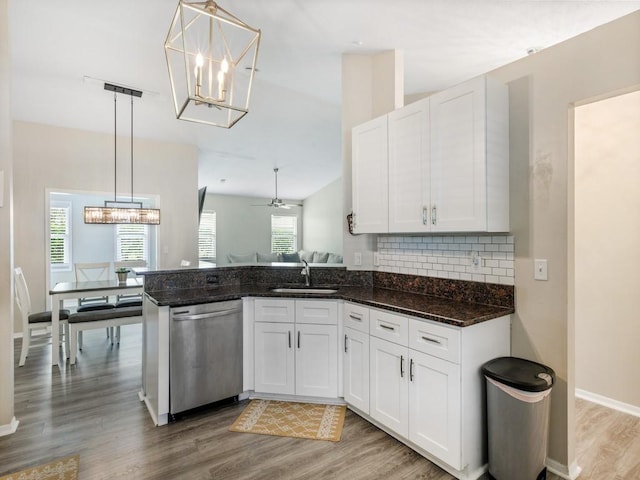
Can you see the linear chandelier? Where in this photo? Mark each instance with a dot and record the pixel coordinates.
(211, 57)
(118, 211)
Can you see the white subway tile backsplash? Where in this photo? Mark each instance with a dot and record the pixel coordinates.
(450, 256)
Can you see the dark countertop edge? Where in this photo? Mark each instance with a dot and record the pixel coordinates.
(146, 271)
(351, 294)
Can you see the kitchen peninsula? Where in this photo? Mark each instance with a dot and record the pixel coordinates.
(438, 331)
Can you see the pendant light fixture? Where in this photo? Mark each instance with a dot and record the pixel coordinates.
(211, 56)
(119, 211)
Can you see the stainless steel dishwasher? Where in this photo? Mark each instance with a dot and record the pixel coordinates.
(205, 354)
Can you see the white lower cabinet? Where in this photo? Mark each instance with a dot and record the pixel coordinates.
(425, 384)
(274, 358)
(389, 388)
(298, 353)
(356, 369)
(434, 406)
(316, 360)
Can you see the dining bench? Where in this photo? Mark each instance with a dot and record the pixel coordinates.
(88, 320)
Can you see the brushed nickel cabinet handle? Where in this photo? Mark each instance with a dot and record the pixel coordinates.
(289, 332)
(432, 340)
(345, 342)
(357, 318)
(433, 215)
(298, 339)
(424, 215)
(387, 327)
(402, 366)
(411, 370)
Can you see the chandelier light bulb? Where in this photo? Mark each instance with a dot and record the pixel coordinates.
(224, 65)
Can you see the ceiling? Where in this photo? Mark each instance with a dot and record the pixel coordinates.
(63, 51)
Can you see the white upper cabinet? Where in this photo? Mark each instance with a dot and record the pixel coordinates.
(409, 182)
(370, 195)
(470, 158)
(440, 164)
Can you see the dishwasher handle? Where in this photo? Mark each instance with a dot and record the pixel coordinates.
(201, 316)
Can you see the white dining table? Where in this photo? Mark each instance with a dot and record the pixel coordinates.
(97, 288)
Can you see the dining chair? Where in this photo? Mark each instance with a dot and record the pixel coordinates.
(127, 300)
(86, 272)
(34, 320)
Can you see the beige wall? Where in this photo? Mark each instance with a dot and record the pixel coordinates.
(543, 88)
(322, 219)
(607, 247)
(47, 157)
(7, 420)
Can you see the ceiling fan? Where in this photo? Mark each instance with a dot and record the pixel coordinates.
(276, 202)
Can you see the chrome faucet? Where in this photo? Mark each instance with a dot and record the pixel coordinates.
(306, 271)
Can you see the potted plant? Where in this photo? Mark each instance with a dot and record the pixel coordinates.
(122, 274)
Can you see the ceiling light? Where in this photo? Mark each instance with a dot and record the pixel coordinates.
(118, 211)
(211, 56)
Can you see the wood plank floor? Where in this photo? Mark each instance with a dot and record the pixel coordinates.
(92, 409)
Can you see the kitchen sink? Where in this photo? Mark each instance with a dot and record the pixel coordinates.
(307, 290)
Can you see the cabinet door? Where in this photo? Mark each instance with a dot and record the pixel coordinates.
(435, 407)
(458, 173)
(356, 369)
(409, 168)
(274, 358)
(389, 395)
(369, 177)
(316, 360)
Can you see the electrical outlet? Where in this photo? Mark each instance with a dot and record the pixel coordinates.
(357, 258)
(540, 269)
(376, 259)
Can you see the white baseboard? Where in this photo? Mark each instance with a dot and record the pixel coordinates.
(9, 428)
(608, 402)
(563, 471)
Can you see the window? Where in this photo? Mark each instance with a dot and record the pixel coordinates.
(132, 242)
(60, 235)
(284, 233)
(207, 236)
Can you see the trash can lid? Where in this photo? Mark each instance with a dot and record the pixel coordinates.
(520, 373)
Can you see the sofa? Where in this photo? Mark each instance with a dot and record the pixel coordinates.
(297, 257)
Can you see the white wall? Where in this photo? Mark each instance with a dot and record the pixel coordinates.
(607, 246)
(322, 219)
(242, 227)
(58, 158)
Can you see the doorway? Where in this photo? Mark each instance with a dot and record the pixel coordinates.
(607, 251)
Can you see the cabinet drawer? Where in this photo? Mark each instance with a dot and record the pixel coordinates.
(274, 310)
(433, 339)
(317, 311)
(389, 326)
(356, 317)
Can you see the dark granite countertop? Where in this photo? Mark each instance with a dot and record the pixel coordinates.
(452, 312)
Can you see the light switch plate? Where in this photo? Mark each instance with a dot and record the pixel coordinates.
(540, 269)
(357, 258)
(376, 259)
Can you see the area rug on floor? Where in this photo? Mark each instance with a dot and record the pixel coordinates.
(61, 469)
(292, 419)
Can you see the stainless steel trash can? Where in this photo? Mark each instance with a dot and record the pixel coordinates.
(517, 417)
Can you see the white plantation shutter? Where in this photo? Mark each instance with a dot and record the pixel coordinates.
(284, 235)
(60, 235)
(132, 242)
(207, 236)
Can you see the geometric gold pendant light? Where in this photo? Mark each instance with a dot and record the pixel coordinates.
(118, 211)
(211, 57)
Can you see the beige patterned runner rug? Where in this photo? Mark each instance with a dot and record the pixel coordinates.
(292, 419)
(60, 469)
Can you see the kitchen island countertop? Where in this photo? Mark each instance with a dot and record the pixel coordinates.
(439, 309)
